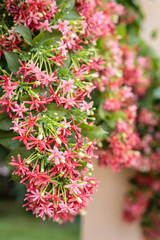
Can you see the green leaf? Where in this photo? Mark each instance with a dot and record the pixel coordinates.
(93, 132)
(12, 61)
(6, 140)
(70, 4)
(19, 150)
(38, 38)
(3, 153)
(52, 108)
(5, 123)
(58, 2)
(25, 32)
(83, 165)
(72, 16)
(47, 38)
(3, 115)
(55, 35)
(15, 178)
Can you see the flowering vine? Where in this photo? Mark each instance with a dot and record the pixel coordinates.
(46, 82)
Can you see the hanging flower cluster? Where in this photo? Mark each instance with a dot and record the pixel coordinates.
(61, 61)
(36, 15)
(46, 81)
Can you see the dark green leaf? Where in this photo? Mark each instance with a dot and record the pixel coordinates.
(47, 38)
(3, 115)
(38, 38)
(5, 123)
(3, 153)
(12, 61)
(25, 32)
(19, 150)
(15, 178)
(6, 140)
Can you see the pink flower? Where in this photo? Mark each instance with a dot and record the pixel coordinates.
(58, 58)
(74, 186)
(62, 47)
(86, 107)
(20, 168)
(62, 26)
(19, 110)
(56, 155)
(45, 209)
(45, 26)
(67, 86)
(68, 102)
(67, 208)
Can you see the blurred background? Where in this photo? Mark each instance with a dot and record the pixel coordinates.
(104, 215)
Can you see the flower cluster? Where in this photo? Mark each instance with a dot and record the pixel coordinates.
(142, 203)
(46, 85)
(34, 14)
(116, 103)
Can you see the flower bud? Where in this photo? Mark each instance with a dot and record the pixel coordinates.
(95, 75)
(40, 14)
(62, 160)
(58, 141)
(79, 200)
(89, 166)
(81, 154)
(40, 137)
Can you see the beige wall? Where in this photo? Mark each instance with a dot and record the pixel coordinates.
(151, 9)
(104, 216)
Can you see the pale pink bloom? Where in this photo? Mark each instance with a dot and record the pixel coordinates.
(62, 47)
(86, 107)
(122, 126)
(20, 168)
(45, 26)
(112, 104)
(68, 102)
(67, 86)
(33, 17)
(67, 208)
(45, 209)
(74, 186)
(20, 109)
(62, 26)
(56, 155)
